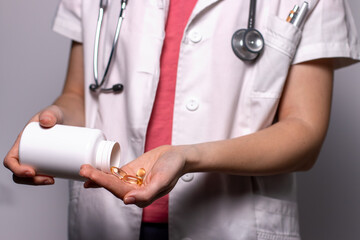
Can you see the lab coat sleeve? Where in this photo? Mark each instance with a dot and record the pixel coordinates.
(329, 32)
(67, 20)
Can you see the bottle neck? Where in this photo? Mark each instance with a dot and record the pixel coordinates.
(107, 155)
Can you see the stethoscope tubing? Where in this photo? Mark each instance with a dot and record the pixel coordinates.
(252, 12)
(97, 41)
(96, 44)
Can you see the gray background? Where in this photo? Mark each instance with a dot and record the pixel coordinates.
(32, 68)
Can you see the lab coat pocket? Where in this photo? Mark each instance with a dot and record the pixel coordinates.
(150, 42)
(146, 56)
(271, 69)
(281, 40)
(144, 28)
(149, 54)
(276, 219)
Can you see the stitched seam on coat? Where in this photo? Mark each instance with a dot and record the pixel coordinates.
(275, 236)
(276, 213)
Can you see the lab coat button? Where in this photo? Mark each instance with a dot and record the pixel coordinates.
(195, 36)
(187, 177)
(192, 105)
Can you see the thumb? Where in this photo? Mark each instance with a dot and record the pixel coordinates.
(50, 116)
(145, 195)
(141, 197)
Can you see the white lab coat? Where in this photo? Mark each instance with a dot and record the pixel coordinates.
(217, 97)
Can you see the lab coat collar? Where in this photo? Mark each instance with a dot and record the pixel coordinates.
(202, 5)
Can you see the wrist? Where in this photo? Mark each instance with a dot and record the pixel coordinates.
(192, 157)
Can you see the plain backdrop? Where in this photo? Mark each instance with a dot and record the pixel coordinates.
(33, 63)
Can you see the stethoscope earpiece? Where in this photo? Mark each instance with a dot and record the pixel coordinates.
(93, 87)
(117, 88)
(247, 44)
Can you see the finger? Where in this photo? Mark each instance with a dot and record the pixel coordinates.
(108, 181)
(143, 197)
(37, 180)
(91, 184)
(97, 177)
(131, 198)
(20, 170)
(11, 161)
(50, 116)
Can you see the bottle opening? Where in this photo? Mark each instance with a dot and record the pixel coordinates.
(108, 154)
(115, 156)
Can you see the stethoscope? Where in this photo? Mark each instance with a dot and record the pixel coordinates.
(247, 44)
(117, 88)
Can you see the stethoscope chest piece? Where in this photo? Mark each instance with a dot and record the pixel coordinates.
(247, 44)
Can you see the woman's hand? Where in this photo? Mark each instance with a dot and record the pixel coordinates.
(25, 174)
(163, 165)
(68, 109)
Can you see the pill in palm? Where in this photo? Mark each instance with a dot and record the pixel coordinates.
(141, 173)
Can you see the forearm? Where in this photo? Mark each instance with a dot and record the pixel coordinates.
(287, 146)
(71, 101)
(72, 108)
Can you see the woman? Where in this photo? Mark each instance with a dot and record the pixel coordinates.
(223, 136)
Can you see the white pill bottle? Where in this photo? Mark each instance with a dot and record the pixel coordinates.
(61, 150)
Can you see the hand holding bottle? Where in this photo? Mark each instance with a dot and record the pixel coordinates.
(25, 174)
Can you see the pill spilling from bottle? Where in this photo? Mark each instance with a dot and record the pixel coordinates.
(122, 175)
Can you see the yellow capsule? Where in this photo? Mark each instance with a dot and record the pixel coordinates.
(141, 173)
(118, 172)
(132, 179)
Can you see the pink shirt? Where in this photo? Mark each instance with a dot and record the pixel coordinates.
(160, 125)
